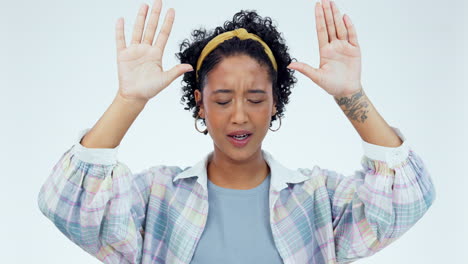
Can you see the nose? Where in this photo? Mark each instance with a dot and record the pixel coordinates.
(239, 116)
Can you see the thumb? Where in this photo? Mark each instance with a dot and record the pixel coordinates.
(307, 70)
(178, 70)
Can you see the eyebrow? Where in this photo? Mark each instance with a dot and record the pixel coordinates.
(231, 91)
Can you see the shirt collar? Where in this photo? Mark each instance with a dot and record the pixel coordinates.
(280, 175)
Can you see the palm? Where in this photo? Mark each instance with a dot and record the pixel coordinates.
(339, 72)
(140, 70)
(340, 65)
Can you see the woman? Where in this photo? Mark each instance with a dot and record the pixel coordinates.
(238, 204)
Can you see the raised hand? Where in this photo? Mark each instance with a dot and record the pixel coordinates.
(339, 73)
(140, 70)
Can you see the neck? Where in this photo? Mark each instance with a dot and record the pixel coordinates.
(237, 174)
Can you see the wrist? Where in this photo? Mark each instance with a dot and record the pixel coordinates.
(134, 103)
(356, 106)
(356, 90)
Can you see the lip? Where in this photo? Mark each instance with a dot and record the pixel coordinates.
(239, 132)
(240, 143)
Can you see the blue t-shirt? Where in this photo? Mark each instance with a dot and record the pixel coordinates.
(238, 227)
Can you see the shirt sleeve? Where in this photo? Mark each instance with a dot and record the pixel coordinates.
(97, 202)
(379, 203)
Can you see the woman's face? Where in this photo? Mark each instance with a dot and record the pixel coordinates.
(237, 96)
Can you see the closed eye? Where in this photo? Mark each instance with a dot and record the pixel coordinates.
(223, 103)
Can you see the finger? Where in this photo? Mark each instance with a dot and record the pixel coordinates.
(176, 71)
(120, 35)
(329, 20)
(148, 36)
(339, 24)
(139, 24)
(166, 30)
(307, 70)
(321, 26)
(352, 35)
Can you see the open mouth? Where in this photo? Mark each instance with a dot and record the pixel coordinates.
(240, 140)
(241, 137)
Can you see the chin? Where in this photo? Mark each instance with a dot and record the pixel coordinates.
(238, 154)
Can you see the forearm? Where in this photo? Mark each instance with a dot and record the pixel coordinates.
(366, 120)
(110, 129)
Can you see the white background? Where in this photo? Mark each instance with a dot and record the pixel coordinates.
(58, 76)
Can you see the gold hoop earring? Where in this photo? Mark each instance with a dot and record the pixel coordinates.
(278, 127)
(204, 131)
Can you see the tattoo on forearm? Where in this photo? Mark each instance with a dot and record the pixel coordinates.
(355, 106)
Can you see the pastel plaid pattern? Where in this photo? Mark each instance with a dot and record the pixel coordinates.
(158, 215)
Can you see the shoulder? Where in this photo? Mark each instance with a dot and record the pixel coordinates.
(165, 171)
(315, 177)
(158, 174)
(312, 173)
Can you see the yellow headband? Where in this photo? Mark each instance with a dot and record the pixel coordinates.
(242, 34)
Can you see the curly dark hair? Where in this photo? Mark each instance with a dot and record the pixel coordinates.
(282, 81)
